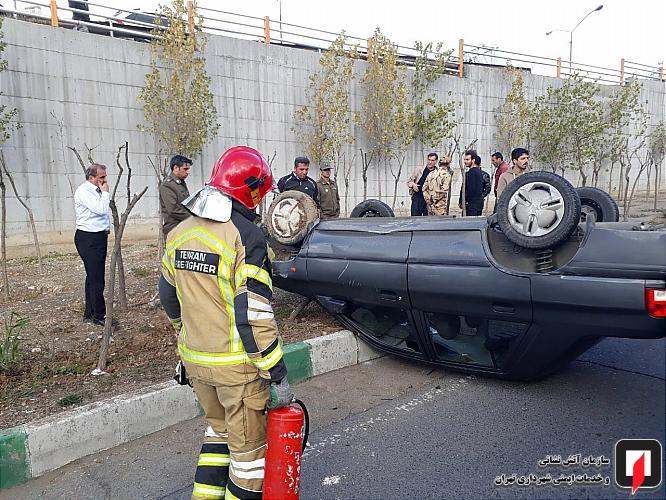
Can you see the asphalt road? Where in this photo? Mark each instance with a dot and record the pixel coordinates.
(392, 429)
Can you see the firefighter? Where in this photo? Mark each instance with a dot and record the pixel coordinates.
(436, 188)
(216, 289)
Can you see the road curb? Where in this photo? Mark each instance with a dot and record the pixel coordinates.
(31, 450)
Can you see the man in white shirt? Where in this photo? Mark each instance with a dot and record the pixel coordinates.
(91, 202)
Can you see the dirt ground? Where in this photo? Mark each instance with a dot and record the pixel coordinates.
(58, 350)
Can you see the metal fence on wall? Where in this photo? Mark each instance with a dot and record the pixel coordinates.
(102, 19)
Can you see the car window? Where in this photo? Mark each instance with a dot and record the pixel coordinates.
(469, 339)
(387, 325)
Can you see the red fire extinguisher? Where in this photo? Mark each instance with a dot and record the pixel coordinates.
(286, 437)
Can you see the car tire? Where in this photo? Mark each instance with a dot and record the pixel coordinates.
(372, 208)
(599, 203)
(538, 210)
(290, 217)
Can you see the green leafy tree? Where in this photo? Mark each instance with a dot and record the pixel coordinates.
(388, 115)
(568, 125)
(658, 153)
(512, 117)
(178, 105)
(323, 125)
(624, 113)
(7, 116)
(434, 121)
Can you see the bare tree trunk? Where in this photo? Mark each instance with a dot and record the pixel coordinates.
(396, 177)
(621, 188)
(159, 177)
(118, 236)
(299, 308)
(364, 172)
(610, 177)
(78, 157)
(346, 173)
(28, 209)
(3, 233)
(657, 176)
(648, 187)
(628, 202)
(380, 164)
(123, 303)
(625, 185)
(583, 177)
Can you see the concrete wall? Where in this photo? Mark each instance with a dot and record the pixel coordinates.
(77, 89)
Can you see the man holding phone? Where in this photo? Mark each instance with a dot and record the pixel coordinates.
(91, 203)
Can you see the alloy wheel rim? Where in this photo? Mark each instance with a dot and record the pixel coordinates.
(536, 209)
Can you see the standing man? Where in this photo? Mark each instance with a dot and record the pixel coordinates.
(415, 184)
(520, 157)
(173, 192)
(436, 188)
(473, 184)
(91, 203)
(500, 167)
(216, 289)
(298, 180)
(329, 198)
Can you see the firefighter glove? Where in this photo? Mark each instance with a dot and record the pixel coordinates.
(280, 394)
(177, 324)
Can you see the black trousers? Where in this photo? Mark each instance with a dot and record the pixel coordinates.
(92, 249)
(474, 207)
(419, 206)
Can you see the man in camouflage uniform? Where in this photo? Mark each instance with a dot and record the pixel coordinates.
(436, 188)
(329, 198)
(216, 289)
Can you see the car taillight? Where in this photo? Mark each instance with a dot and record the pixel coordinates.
(655, 302)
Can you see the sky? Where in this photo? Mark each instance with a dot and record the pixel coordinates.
(630, 29)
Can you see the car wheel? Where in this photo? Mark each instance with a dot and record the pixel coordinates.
(290, 217)
(538, 210)
(372, 208)
(599, 204)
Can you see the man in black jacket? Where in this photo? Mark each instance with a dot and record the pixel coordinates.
(473, 184)
(298, 180)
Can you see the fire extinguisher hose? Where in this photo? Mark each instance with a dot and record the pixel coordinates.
(306, 432)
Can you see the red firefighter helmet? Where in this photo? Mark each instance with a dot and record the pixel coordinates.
(242, 173)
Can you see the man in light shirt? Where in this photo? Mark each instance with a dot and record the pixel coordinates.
(521, 159)
(91, 202)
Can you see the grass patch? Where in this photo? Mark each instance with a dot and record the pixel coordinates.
(70, 400)
(73, 369)
(10, 341)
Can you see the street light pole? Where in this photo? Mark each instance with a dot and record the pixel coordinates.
(571, 35)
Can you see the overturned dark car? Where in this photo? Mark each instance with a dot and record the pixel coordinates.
(516, 295)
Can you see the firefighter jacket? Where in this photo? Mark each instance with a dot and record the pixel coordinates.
(216, 278)
(173, 192)
(329, 198)
(436, 191)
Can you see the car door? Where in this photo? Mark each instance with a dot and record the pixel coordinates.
(471, 312)
(361, 276)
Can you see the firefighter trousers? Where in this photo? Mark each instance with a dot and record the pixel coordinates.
(231, 463)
